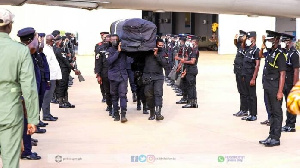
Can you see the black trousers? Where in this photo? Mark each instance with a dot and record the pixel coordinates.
(131, 80)
(290, 118)
(62, 89)
(184, 87)
(191, 85)
(106, 87)
(274, 106)
(154, 93)
(241, 87)
(118, 90)
(251, 95)
(102, 90)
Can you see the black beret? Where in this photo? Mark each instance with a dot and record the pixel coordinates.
(55, 33)
(42, 34)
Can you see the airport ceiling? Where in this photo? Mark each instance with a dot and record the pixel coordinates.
(283, 8)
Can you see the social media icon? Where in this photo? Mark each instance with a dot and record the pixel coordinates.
(142, 158)
(150, 158)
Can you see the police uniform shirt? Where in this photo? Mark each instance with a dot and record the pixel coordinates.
(275, 63)
(249, 61)
(192, 68)
(292, 63)
(238, 61)
(154, 65)
(101, 66)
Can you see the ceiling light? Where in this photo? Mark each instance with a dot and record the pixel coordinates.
(159, 11)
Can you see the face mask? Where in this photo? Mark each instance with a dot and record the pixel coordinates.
(248, 42)
(160, 49)
(283, 45)
(72, 38)
(114, 43)
(269, 44)
(169, 40)
(187, 44)
(191, 45)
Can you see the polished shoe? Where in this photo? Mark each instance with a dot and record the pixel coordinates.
(33, 143)
(169, 84)
(53, 116)
(103, 100)
(272, 142)
(49, 119)
(191, 104)
(34, 140)
(264, 141)
(134, 98)
(265, 122)
(63, 105)
(70, 105)
(40, 131)
(182, 101)
(33, 156)
(41, 124)
(252, 118)
(288, 129)
(178, 91)
(179, 94)
(123, 119)
(107, 108)
(241, 113)
(138, 107)
(145, 111)
(245, 117)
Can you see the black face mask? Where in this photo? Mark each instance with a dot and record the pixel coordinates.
(239, 44)
(160, 49)
(115, 43)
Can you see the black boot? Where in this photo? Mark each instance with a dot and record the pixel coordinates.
(145, 109)
(188, 105)
(152, 115)
(134, 99)
(194, 103)
(116, 115)
(110, 110)
(123, 117)
(182, 101)
(66, 100)
(138, 106)
(61, 103)
(158, 113)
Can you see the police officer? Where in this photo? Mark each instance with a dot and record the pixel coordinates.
(182, 54)
(292, 76)
(66, 67)
(153, 79)
(191, 72)
(101, 70)
(250, 70)
(274, 79)
(131, 78)
(241, 85)
(117, 74)
(103, 36)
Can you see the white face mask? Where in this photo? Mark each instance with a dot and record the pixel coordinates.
(191, 45)
(269, 44)
(283, 45)
(248, 42)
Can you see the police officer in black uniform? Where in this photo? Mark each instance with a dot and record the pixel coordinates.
(292, 76)
(250, 70)
(66, 67)
(153, 79)
(101, 69)
(238, 64)
(191, 72)
(103, 35)
(274, 79)
(118, 77)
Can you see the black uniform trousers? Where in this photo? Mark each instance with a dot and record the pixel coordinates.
(154, 93)
(274, 106)
(106, 87)
(191, 85)
(241, 87)
(62, 89)
(184, 87)
(118, 90)
(290, 118)
(131, 80)
(102, 89)
(251, 94)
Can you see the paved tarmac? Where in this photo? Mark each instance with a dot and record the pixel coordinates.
(208, 137)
